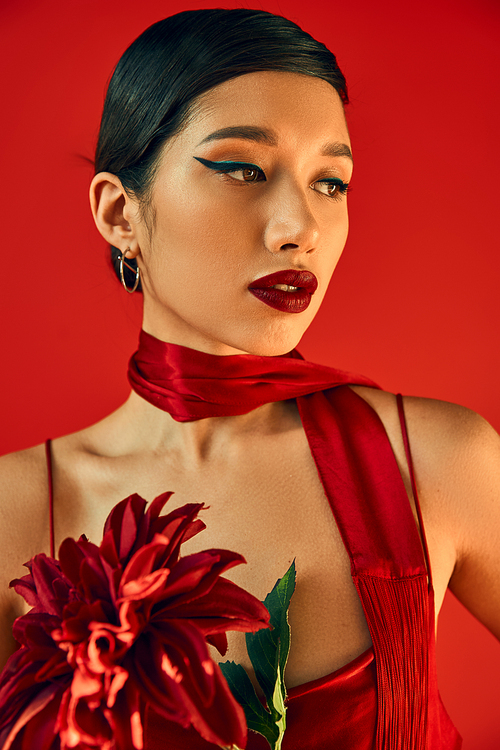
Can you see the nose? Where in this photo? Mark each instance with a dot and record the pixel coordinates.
(291, 225)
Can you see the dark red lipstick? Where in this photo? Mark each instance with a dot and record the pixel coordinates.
(296, 299)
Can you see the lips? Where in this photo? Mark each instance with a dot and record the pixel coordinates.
(295, 300)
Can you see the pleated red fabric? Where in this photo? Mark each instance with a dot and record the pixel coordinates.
(386, 699)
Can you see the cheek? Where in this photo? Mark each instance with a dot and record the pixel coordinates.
(335, 236)
(199, 217)
(200, 246)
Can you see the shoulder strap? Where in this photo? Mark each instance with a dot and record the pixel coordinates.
(50, 480)
(406, 441)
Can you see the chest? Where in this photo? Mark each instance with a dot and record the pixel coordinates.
(273, 510)
(265, 501)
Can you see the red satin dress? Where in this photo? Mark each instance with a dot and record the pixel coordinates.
(386, 698)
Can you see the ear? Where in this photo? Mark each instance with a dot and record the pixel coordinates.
(114, 213)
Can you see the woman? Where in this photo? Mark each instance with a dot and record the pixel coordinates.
(222, 171)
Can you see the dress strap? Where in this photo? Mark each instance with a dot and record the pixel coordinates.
(406, 441)
(48, 456)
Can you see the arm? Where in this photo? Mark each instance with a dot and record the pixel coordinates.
(471, 489)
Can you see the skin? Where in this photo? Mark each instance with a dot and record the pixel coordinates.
(205, 238)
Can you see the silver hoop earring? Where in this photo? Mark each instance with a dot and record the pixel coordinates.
(123, 262)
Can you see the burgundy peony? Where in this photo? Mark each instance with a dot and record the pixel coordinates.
(121, 627)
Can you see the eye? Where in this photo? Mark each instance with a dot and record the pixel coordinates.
(241, 171)
(248, 174)
(333, 188)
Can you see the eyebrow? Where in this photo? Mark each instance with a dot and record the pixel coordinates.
(337, 149)
(247, 132)
(268, 137)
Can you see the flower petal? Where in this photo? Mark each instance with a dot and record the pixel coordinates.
(148, 586)
(45, 588)
(145, 560)
(224, 723)
(186, 652)
(71, 555)
(226, 606)
(194, 576)
(38, 703)
(123, 523)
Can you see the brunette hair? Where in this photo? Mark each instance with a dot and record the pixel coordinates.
(160, 76)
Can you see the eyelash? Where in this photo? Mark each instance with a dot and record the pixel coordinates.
(226, 167)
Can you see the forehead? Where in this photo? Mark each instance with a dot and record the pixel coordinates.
(293, 107)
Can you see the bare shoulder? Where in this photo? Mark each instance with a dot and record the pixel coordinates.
(23, 499)
(24, 528)
(27, 465)
(435, 424)
(456, 455)
(455, 451)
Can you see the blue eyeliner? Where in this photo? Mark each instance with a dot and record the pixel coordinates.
(227, 166)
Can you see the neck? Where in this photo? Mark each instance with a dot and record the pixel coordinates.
(225, 397)
(146, 428)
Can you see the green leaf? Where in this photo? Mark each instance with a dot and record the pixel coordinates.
(269, 649)
(279, 704)
(256, 715)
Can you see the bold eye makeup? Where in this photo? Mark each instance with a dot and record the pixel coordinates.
(334, 187)
(250, 172)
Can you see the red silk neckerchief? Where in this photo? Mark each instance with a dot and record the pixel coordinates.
(190, 385)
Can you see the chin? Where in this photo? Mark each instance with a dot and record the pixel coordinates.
(272, 343)
(272, 349)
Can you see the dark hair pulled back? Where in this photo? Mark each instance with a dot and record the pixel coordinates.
(163, 72)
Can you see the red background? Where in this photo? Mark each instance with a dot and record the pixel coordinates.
(414, 302)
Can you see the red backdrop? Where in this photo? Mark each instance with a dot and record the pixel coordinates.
(414, 302)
